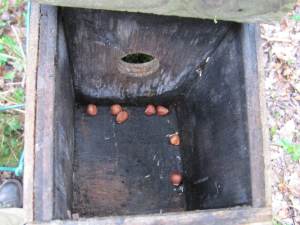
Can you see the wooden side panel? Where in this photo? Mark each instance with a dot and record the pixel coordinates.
(236, 216)
(263, 118)
(29, 135)
(49, 120)
(234, 10)
(63, 130)
(254, 98)
(44, 139)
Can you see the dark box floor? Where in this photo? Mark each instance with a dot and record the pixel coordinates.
(124, 168)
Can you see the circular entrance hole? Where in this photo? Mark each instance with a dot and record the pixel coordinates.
(137, 58)
(138, 64)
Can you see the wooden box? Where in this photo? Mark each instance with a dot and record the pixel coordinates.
(208, 74)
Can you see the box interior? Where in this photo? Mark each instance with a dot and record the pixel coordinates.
(103, 168)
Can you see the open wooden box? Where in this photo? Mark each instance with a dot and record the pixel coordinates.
(207, 73)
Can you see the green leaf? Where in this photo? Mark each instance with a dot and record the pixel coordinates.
(5, 151)
(1, 47)
(2, 24)
(8, 41)
(19, 95)
(296, 17)
(4, 6)
(10, 75)
(11, 44)
(273, 131)
(291, 148)
(296, 156)
(3, 59)
(14, 124)
(14, 143)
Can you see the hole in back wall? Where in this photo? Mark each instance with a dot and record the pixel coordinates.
(137, 58)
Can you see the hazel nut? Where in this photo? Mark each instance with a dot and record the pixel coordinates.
(176, 178)
(175, 139)
(91, 110)
(162, 111)
(115, 109)
(150, 110)
(122, 117)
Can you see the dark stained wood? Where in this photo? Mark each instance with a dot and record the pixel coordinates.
(63, 130)
(241, 11)
(49, 145)
(97, 41)
(123, 169)
(235, 216)
(218, 166)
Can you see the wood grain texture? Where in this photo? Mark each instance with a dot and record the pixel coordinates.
(263, 119)
(254, 107)
(29, 136)
(44, 130)
(43, 200)
(124, 169)
(220, 144)
(63, 129)
(235, 216)
(233, 10)
(97, 40)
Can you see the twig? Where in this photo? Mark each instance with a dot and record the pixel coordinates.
(19, 110)
(8, 56)
(18, 41)
(13, 83)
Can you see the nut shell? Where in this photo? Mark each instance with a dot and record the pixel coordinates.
(175, 139)
(150, 110)
(162, 111)
(176, 178)
(91, 110)
(115, 109)
(122, 117)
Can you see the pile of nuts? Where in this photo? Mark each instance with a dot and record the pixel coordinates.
(115, 110)
(122, 115)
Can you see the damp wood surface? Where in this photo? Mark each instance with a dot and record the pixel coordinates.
(233, 10)
(123, 169)
(98, 40)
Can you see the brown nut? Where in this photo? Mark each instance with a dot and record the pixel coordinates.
(162, 111)
(150, 110)
(175, 139)
(122, 117)
(91, 110)
(115, 109)
(176, 178)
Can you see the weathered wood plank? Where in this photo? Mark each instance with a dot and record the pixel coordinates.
(44, 137)
(98, 40)
(235, 216)
(234, 10)
(63, 130)
(263, 118)
(253, 78)
(29, 136)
